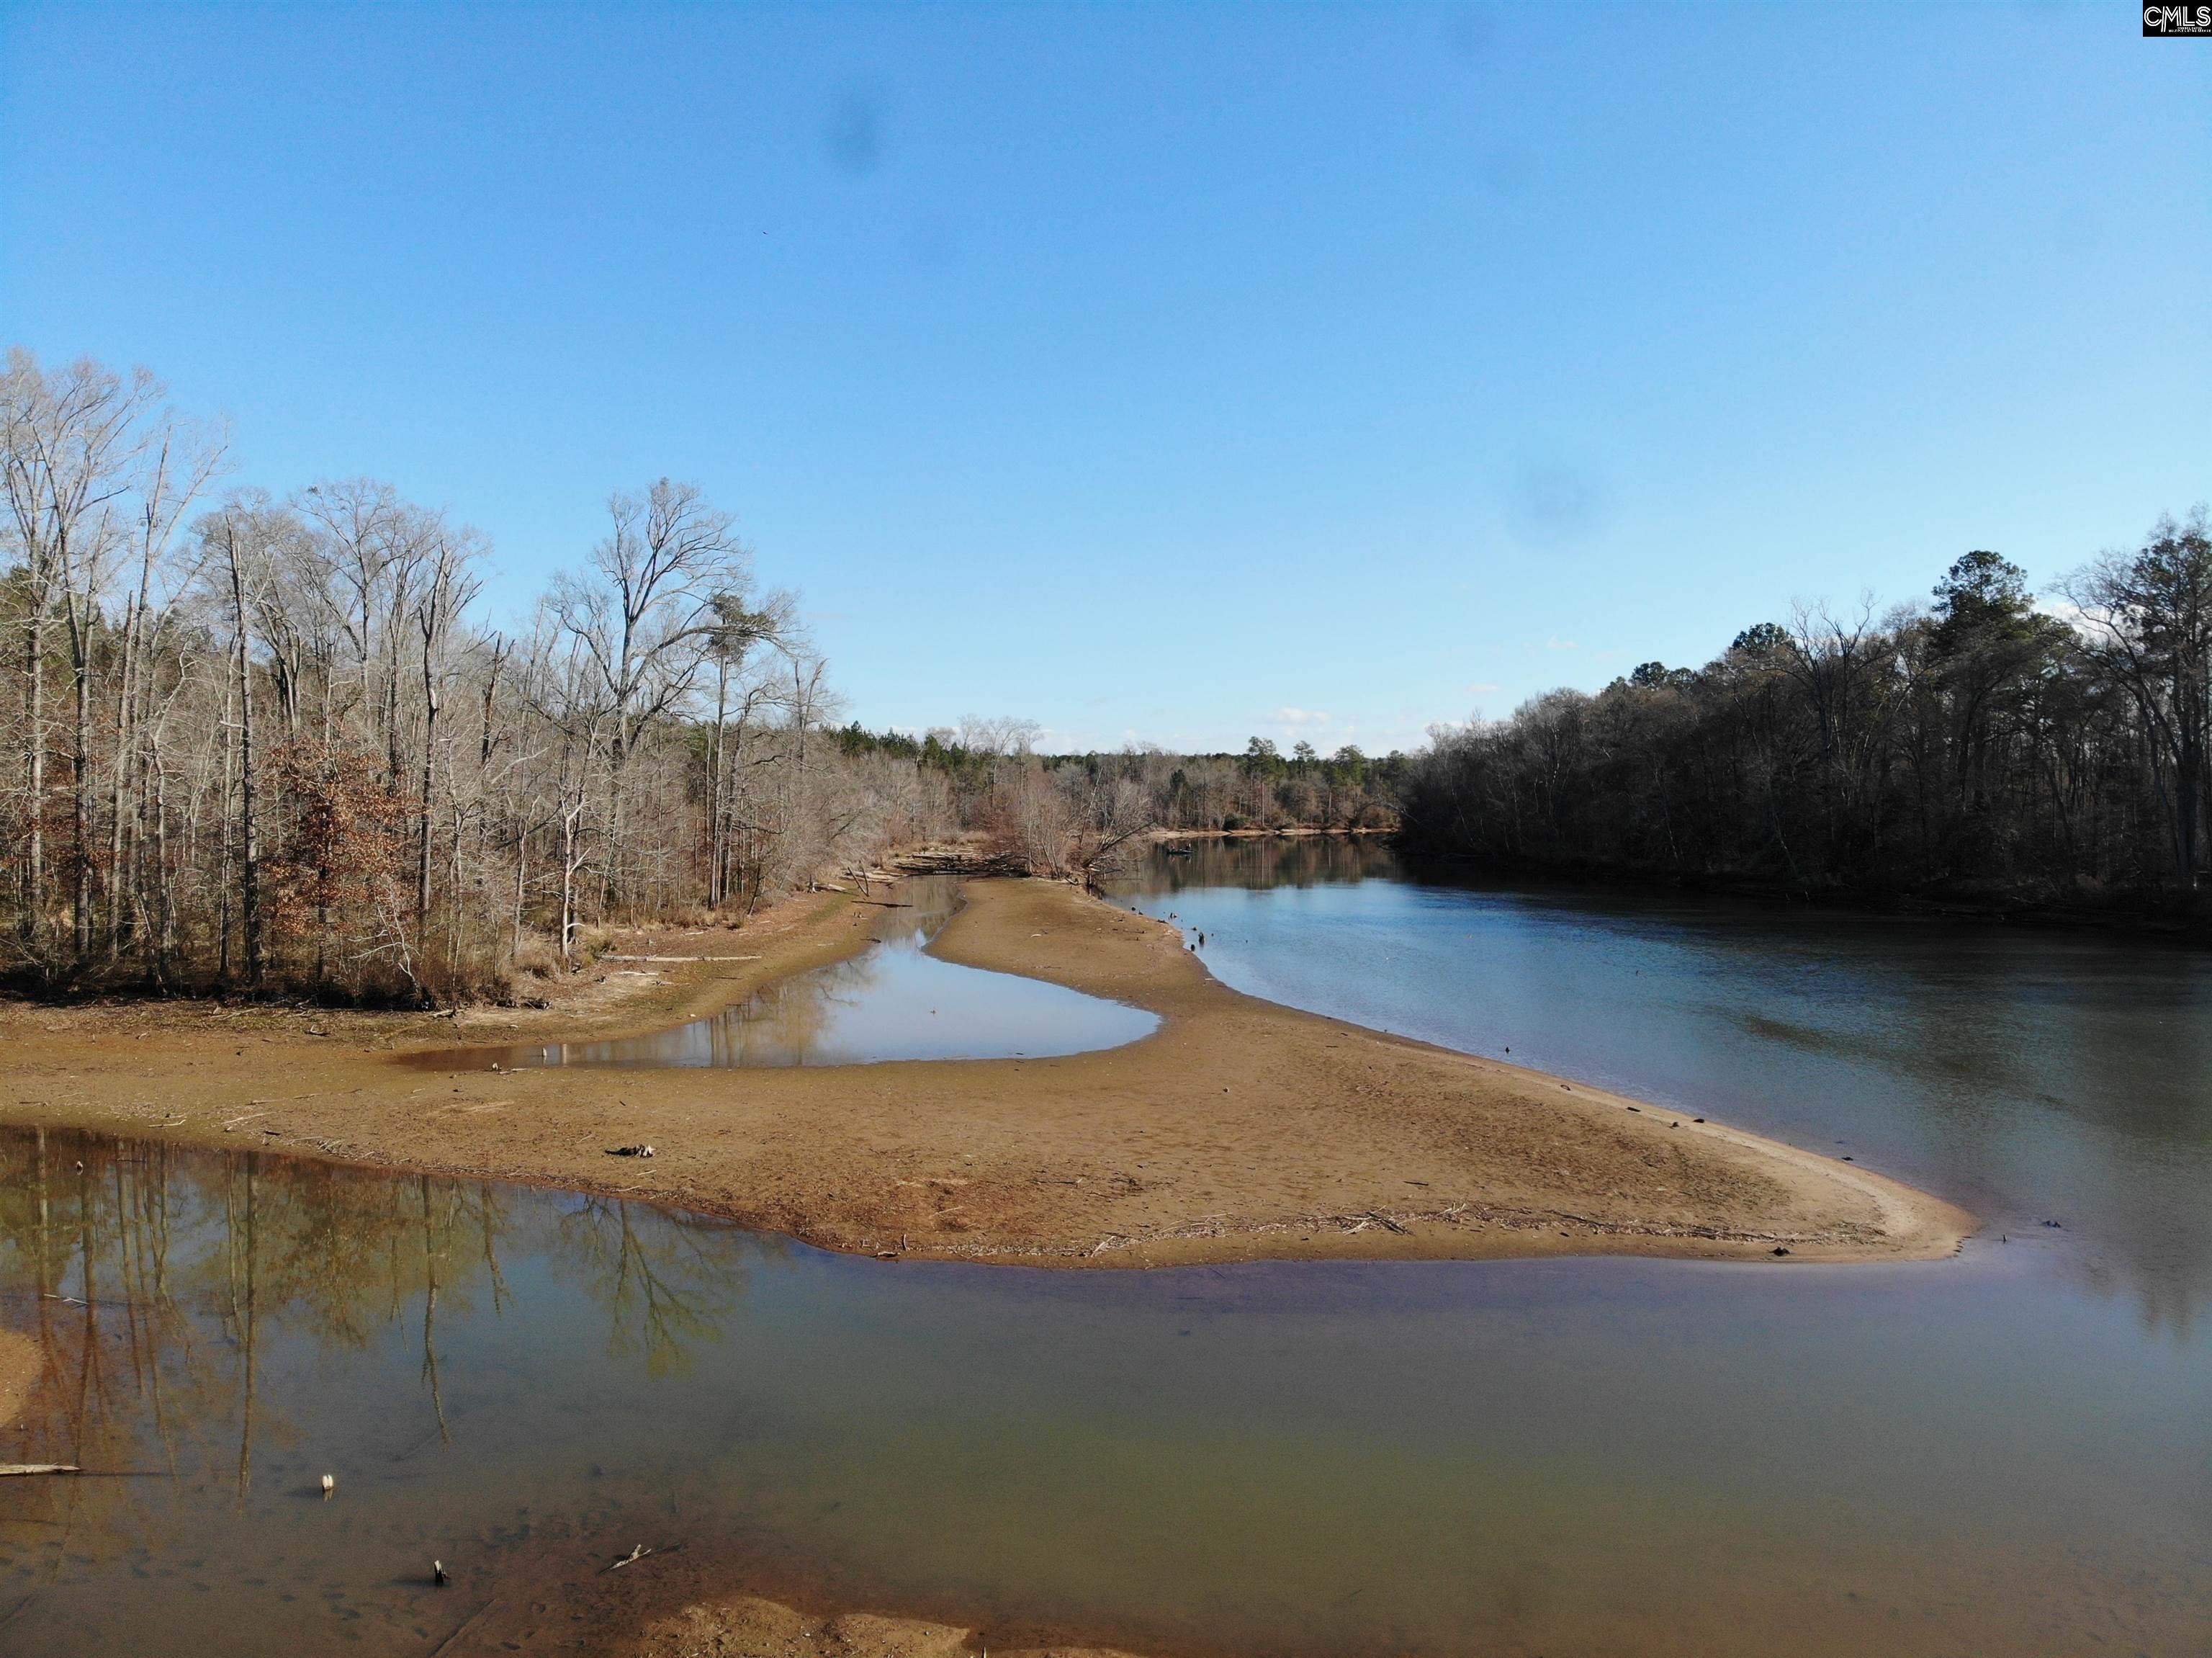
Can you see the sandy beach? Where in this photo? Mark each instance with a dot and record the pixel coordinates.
(1240, 1130)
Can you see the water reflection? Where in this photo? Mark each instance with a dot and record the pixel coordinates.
(1258, 863)
(893, 1001)
(1541, 1456)
(2029, 1075)
(666, 1284)
(154, 1277)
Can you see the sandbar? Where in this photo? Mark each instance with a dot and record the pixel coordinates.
(1240, 1130)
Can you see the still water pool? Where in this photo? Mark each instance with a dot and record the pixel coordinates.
(2009, 1453)
(893, 1001)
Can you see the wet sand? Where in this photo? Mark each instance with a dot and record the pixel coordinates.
(561, 1600)
(1240, 1130)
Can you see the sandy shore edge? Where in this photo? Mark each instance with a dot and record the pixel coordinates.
(1240, 1130)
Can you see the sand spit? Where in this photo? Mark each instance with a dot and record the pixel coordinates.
(1240, 1130)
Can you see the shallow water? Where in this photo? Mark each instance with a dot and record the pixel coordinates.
(893, 1001)
(2029, 1075)
(2010, 1453)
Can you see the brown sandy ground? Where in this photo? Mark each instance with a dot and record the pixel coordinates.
(562, 1601)
(1241, 1129)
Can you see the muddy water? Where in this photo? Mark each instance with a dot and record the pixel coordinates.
(2010, 1453)
(893, 1001)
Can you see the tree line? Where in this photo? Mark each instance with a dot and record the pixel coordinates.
(1976, 746)
(275, 743)
(1058, 813)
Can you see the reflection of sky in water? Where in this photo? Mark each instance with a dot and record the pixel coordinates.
(893, 1001)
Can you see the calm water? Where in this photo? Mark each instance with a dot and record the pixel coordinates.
(2011, 1452)
(893, 1001)
(2029, 1075)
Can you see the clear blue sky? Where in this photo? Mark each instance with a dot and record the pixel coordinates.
(1169, 372)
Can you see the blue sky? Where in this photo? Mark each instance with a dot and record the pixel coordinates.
(1163, 372)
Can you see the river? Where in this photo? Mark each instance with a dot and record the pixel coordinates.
(2009, 1452)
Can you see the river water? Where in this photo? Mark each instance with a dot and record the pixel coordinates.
(2008, 1452)
(2029, 1075)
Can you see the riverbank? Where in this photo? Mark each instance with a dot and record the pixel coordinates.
(1243, 1129)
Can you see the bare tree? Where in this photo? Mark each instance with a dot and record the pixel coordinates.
(69, 447)
(243, 538)
(449, 586)
(270, 784)
(182, 461)
(2147, 619)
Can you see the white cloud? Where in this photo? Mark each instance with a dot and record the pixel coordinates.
(1555, 642)
(1298, 716)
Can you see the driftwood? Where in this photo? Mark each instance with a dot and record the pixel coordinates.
(8, 1468)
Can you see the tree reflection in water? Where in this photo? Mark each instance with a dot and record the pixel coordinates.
(668, 1281)
(1947, 1457)
(153, 1281)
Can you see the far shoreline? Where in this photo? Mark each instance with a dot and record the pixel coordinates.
(2035, 915)
(2000, 909)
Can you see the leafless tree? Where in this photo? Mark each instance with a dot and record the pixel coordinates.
(69, 447)
(272, 779)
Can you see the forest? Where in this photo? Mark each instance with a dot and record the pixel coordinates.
(276, 745)
(1149, 787)
(1978, 748)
